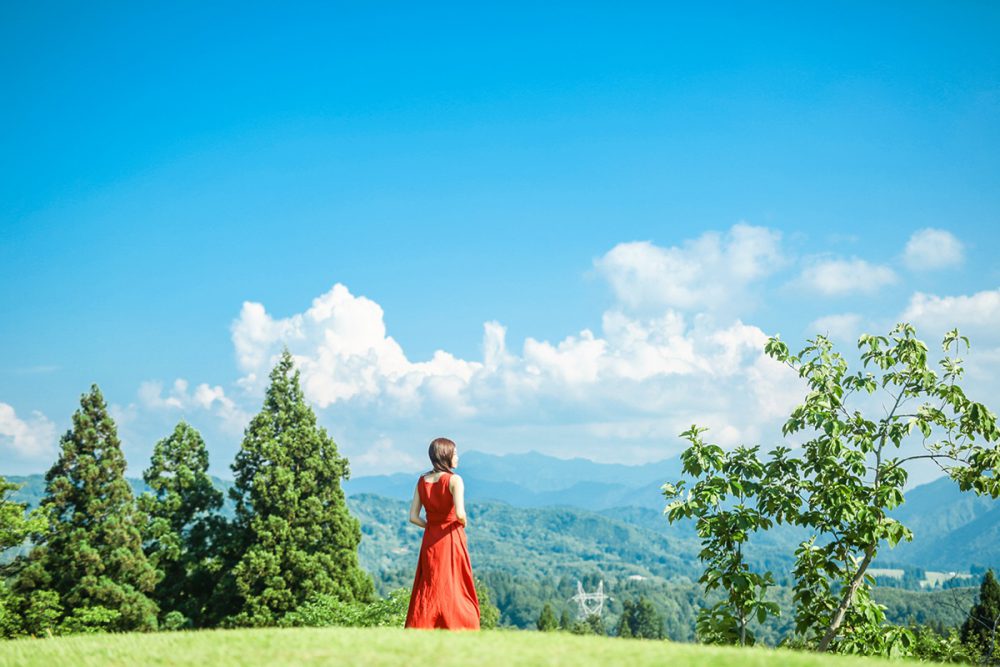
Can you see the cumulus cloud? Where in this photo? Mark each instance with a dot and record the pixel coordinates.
(668, 353)
(343, 352)
(667, 370)
(702, 274)
(211, 399)
(840, 277)
(975, 314)
(931, 249)
(32, 438)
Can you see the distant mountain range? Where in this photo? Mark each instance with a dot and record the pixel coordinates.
(953, 530)
(537, 480)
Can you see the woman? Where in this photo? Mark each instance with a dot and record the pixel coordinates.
(444, 595)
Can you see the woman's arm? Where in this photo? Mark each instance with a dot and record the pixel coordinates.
(457, 487)
(415, 507)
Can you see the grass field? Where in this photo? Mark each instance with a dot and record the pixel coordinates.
(385, 646)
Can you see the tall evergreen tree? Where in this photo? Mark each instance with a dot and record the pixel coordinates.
(981, 629)
(87, 568)
(547, 621)
(182, 526)
(293, 532)
(625, 621)
(565, 623)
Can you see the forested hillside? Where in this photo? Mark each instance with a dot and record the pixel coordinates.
(532, 556)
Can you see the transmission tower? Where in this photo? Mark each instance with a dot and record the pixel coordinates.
(591, 604)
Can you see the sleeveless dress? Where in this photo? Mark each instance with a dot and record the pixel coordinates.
(444, 594)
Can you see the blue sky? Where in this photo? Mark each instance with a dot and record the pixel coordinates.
(458, 166)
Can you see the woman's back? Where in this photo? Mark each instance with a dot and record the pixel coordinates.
(444, 592)
(437, 499)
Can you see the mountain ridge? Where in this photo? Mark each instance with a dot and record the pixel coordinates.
(953, 530)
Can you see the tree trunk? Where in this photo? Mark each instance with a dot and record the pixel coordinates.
(845, 601)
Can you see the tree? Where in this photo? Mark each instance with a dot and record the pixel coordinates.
(87, 570)
(592, 625)
(849, 475)
(724, 528)
(547, 621)
(489, 613)
(182, 525)
(14, 530)
(640, 619)
(980, 628)
(293, 536)
(564, 621)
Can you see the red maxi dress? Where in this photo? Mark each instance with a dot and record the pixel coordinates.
(444, 594)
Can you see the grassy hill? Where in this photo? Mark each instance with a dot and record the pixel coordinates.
(390, 647)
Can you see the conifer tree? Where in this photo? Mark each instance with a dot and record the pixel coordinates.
(625, 622)
(547, 619)
(87, 569)
(980, 629)
(564, 621)
(182, 526)
(640, 620)
(293, 533)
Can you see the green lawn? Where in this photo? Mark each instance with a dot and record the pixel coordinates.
(390, 647)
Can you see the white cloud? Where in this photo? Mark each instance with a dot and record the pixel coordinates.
(206, 398)
(665, 370)
(711, 271)
(844, 327)
(975, 314)
(840, 277)
(933, 249)
(32, 438)
(668, 354)
(342, 350)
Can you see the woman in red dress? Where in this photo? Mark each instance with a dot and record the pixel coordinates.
(444, 594)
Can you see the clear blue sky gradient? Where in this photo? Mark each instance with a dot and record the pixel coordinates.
(455, 163)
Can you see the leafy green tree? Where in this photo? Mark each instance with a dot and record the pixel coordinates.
(720, 503)
(293, 536)
(489, 613)
(980, 628)
(640, 620)
(182, 524)
(564, 621)
(15, 527)
(946, 646)
(849, 475)
(87, 569)
(547, 621)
